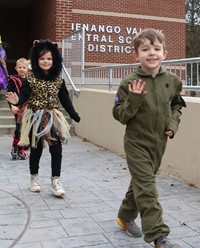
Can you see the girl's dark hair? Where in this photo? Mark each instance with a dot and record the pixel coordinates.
(39, 48)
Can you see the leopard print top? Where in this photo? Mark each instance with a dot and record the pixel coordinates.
(44, 94)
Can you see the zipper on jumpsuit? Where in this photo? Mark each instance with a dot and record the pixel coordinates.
(156, 123)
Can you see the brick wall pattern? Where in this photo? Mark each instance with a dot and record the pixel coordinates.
(52, 19)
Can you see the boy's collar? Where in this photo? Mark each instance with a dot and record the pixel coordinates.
(141, 72)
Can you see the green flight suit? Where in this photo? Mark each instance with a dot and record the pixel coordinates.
(147, 117)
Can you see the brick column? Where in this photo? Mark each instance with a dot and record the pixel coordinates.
(63, 18)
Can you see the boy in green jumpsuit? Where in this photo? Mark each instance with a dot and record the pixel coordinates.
(148, 102)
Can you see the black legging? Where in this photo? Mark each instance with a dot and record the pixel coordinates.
(56, 158)
(17, 128)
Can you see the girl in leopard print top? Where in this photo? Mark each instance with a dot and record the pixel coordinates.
(42, 120)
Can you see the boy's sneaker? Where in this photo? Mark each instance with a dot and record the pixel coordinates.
(22, 155)
(163, 242)
(131, 228)
(56, 187)
(34, 184)
(14, 152)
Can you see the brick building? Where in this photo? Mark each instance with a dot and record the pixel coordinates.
(109, 25)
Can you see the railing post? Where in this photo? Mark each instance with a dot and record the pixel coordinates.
(83, 58)
(192, 83)
(110, 78)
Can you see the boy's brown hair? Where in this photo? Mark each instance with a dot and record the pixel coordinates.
(150, 34)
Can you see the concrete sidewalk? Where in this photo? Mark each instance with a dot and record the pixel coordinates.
(95, 181)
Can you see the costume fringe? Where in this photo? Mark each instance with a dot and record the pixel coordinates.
(43, 124)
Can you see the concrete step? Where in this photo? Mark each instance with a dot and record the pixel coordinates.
(72, 129)
(2, 95)
(7, 130)
(4, 104)
(7, 120)
(5, 111)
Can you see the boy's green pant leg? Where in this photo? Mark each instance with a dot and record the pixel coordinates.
(142, 197)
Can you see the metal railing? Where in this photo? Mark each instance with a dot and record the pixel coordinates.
(109, 77)
(66, 76)
(73, 52)
(188, 70)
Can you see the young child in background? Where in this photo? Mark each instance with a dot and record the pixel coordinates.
(15, 83)
(149, 103)
(42, 119)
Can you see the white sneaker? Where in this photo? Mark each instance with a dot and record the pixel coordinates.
(34, 184)
(56, 187)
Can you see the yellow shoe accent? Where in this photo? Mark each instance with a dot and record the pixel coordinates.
(131, 228)
(121, 223)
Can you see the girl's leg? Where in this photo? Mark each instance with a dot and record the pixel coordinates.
(34, 160)
(35, 155)
(56, 159)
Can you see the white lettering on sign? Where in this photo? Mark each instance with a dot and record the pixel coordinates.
(96, 28)
(106, 34)
(109, 48)
(132, 30)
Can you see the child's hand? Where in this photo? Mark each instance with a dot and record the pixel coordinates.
(138, 87)
(12, 97)
(169, 133)
(14, 109)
